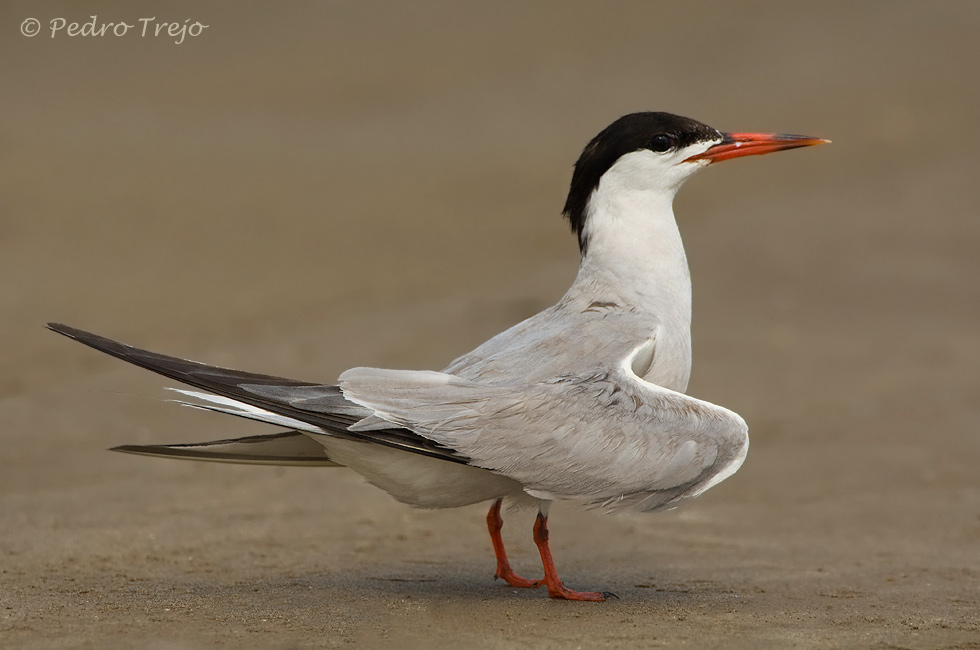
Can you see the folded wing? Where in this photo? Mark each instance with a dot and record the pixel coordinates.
(608, 439)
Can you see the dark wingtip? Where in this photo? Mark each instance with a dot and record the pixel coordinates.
(155, 450)
(126, 449)
(60, 329)
(100, 343)
(72, 332)
(263, 455)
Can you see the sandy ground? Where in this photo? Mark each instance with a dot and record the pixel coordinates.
(305, 188)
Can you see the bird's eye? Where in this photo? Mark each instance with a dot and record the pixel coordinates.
(661, 143)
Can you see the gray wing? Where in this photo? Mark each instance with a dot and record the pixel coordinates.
(566, 338)
(608, 438)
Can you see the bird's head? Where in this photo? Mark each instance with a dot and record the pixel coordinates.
(657, 152)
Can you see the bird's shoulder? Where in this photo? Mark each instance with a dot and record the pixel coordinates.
(562, 339)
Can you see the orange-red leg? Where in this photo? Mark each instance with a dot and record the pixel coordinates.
(494, 523)
(555, 587)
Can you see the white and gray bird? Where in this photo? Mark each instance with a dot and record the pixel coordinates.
(583, 402)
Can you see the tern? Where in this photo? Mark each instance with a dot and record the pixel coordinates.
(583, 402)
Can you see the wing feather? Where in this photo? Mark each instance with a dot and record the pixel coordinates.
(606, 438)
(316, 405)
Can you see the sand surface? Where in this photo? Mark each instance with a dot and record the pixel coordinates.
(304, 188)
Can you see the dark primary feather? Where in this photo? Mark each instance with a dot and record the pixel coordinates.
(320, 405)
(291, 448)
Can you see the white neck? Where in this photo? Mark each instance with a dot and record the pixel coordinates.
(634, 257)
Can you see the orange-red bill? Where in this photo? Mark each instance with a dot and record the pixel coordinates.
(735, 145)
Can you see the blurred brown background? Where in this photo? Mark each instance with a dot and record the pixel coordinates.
(305, 187)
